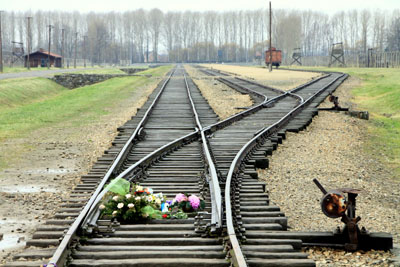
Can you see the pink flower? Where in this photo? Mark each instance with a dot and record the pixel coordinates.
(194, 201)
(180, 197)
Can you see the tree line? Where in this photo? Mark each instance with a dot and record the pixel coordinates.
(232, 36)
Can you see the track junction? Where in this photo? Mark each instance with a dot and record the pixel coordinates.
(177, 144)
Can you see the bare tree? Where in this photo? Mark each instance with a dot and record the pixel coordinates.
(156, 18)
(365, 17)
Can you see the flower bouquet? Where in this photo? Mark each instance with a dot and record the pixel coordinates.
(188, 203)
(131, 203)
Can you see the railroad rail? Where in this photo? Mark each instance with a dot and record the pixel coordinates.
(175, 144)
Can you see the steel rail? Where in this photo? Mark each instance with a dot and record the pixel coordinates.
(219, 125)
(143, 163)
(237, 254)
(215, 190)
(122, 154)
(272, 88)
(58, 257)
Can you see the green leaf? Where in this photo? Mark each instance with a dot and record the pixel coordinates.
(202, 204)
(119, 186)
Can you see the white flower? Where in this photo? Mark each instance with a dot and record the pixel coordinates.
(120, 205)
(149, 199)
(158, 201)
(139, 188)
(115, 198)
(137, 198)
(114, 213)
(131, 205)
(102, 207)
(128, 196)
(165, 207)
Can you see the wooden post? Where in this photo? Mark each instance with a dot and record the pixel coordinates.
(270, 37)
(62, 47)
(76, 39)
(1, 46)
(48, 53)
(84, 51)
(28, 63)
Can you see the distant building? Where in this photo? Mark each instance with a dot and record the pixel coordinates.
(39, 58)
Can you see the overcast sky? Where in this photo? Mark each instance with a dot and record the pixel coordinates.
(327, 6)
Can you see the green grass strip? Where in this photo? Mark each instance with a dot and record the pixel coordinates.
(61, 106)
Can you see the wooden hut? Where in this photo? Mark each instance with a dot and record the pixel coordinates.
(40, 57)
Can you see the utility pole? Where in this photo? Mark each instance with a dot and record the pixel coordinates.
(62, 47)
(76, 40)
(28, 63)
(84, 51)
(1, 46)
(48, 55)
(270, 37)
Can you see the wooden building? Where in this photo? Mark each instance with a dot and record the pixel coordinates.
(40, 57)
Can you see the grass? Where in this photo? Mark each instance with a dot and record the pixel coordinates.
(12, 70)
(379, 93)
(89, 70)
(100, 71)
(47, 104)
(23, 91)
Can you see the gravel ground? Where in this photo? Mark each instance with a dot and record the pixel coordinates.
(46, 165)
(224, 100)
(281, 79)
(331, 149)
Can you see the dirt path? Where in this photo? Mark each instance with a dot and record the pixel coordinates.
(37, 73)
(47, 164)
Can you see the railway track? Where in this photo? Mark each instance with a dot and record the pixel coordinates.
(175, 144)
(250, 216)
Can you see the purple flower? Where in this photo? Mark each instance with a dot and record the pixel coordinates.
(194, 201)
(180, 197)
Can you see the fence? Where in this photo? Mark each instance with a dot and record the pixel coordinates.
(371, 59)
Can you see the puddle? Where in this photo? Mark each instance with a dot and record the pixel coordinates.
(10, 241)
(26, 189)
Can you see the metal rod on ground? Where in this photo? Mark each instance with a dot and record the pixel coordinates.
(76, 39)
(1, 46)
(28, 62)
(62, 47)
(48, 53)
(270, 37)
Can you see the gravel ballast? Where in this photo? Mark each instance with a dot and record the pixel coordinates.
(332, 149)
(281, 79)
(224, 100)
